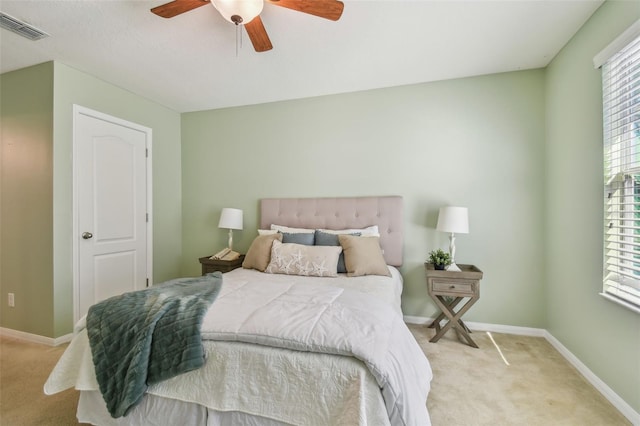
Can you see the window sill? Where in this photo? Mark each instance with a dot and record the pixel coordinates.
(621, 302)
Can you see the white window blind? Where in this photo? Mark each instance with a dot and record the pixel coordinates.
(621, 114)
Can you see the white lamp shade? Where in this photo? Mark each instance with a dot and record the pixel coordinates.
(453, 219)
(230, 219)
(246, 9)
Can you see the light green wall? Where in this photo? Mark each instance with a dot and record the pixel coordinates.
(75, 87)
(26, 194)
(475, 142)
(522, 150)
(603, 335)
(37, 135)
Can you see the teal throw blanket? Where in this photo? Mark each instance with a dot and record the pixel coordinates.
(143, 337)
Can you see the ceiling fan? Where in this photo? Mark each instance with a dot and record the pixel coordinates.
(247, 13)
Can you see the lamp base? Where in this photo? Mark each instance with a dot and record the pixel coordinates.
(230, 242)
(454, 268)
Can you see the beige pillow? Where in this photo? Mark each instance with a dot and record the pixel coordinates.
(259, 253)
(363, 256)
(299, 259)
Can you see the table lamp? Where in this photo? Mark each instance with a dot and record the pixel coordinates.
(456, 221)
(230, 219)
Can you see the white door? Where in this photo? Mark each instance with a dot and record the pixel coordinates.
(112, 205)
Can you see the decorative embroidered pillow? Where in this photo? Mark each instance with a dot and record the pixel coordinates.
(298, 259)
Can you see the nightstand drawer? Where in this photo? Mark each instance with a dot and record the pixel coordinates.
(453, 287)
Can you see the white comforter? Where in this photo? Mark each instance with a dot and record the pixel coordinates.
(288, 376)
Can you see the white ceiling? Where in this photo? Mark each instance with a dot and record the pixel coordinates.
(189, 62)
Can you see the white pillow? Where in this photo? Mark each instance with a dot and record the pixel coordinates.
(267, 231)
(298, 259)
(289, 230)
(370, 231)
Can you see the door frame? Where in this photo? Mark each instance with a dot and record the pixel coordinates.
(79, 110)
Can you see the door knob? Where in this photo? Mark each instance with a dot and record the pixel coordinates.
(87, 235)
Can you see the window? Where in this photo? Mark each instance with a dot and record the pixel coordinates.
(621, 115)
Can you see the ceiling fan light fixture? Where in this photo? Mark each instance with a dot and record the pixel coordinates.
(246, 10)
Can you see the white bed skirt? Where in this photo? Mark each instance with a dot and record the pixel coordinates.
(159, 411)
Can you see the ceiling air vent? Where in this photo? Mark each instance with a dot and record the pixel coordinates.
(10, 23)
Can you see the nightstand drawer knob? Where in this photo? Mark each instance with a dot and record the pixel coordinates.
(87, 235)
(452, 287)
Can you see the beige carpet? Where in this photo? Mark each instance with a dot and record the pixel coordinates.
(24, 367)
(537, 386)
(470, 386)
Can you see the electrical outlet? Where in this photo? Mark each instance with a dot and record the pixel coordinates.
(11, 300)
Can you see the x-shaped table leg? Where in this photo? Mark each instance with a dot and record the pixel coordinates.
(451, 304)
(454, 318)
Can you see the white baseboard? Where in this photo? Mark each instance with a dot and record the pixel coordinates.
(620, 404)
(35, 338)
(480, 326)
(632, 415)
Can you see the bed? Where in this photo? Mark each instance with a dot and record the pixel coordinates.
(325, 350)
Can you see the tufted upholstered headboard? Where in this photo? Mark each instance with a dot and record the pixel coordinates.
(341, 213)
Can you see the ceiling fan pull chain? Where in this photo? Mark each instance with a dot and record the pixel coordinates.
(237, 31)
(237, 19)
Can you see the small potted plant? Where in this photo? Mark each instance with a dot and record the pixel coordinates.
(440, 259)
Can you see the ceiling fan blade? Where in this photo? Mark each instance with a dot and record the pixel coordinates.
(328, 9)
(258, 35)
(176, 7)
